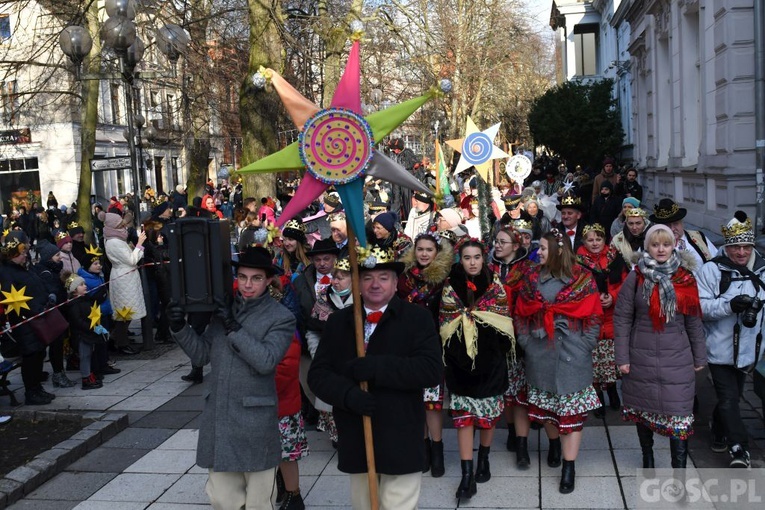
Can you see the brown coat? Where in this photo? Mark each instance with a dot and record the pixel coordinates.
(661, 378)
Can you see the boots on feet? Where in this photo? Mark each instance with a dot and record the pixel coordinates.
(482, 471)
(195, 376)
(568, 477)
(614, 401)
(522, 460)
(281, 491)
(60, 380)
(645, 436)
(437, 459)
(36, 398)
(467, 487)
(292, 501)
(426, 462)
(554, 454)
(511, 437)
(600, 412)
(678, 449)
(91, 383)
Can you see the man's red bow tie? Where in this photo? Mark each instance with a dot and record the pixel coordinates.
(570, 233)
(374, 317)
(325, 280)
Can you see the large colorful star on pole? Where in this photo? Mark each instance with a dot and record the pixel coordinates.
(477, 149)
(337, 145)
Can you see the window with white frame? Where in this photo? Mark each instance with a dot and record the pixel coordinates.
(586, 49)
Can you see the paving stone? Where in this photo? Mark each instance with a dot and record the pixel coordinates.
(329, 491)
(167, 419)
(91, 438)
(61, 458)
(590, 492)
(189, 489)
(178, 506)
(184, 403)
(135, 487)
(164, 461)
(26, 476)
(196, 423)
(109, 505)
(142, 402)
(184, 439)
(139, 438)
(38, 504)
(71, 486)
(44, 466)
(499, 492)
(588, 463)
(108, 460)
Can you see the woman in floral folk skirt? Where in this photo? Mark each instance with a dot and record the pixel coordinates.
(660, 342)
(477, 335)
(558, 316)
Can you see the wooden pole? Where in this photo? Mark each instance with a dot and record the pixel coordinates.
(361, 352)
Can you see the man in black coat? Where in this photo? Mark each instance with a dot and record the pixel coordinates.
(403, 356)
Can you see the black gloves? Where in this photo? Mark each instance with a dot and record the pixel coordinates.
(740, 303)
(226, 315)
(361, 369)
(360, 402)
(176, 315)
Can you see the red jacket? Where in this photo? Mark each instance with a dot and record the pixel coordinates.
(288, 380)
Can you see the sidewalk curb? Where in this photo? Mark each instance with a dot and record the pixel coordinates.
(101, 426)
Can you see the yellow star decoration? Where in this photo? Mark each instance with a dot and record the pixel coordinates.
(93, 250)
(124, 313)
(6, 232)
(95, 316)
(477, 149)
(16, 299)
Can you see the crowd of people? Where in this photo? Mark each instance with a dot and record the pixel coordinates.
(575, 300)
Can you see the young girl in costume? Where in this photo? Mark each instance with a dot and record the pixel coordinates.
(557, 316)
(421, 283)
(477, 336)
(84, 317)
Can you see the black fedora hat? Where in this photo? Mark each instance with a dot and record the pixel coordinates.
(667, 211)
(256, 257)
(571, 202)
(323, 246)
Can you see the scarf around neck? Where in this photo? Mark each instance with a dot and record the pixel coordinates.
(490, 310)
(115, 233)
(676, 289)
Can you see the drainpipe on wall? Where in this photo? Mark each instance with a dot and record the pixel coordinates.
(759, 111)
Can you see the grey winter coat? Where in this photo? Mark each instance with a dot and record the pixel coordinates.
(564, 366)
(661, 378)
(239, 430)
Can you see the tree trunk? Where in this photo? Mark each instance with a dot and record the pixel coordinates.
(258, 109)
(196, 110)
(88, 124)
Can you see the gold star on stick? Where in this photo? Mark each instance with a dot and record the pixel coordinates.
(16, 299)
(93, 250)
(124, 313)
(95, 316)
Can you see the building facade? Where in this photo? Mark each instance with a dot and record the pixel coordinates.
(684, 75)
(40, 127)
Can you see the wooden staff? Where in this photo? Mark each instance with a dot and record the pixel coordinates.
(361, 352)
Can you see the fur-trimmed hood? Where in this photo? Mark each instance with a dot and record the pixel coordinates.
(438, 270)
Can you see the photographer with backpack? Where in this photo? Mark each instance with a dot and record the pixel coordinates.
(731, 291)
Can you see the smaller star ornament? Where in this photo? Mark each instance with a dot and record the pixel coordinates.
(124, 314)
(16, 299)
(95, 316)
(93, 250)
(477, 149)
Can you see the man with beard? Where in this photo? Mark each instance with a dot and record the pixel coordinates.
(607, 174)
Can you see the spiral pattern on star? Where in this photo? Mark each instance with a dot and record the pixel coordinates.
(336, 145)
(477, 148)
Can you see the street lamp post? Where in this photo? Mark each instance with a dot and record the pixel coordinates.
(119, 34)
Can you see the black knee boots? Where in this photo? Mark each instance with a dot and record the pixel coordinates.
(600, 412)
(426, 463)
(613, 398)
(437, 459)
(678, 449)
(195, 376)
(510, 437)
(467, 488)
(554, 454)
(522, 459)
(645, 436)
(482, 472)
